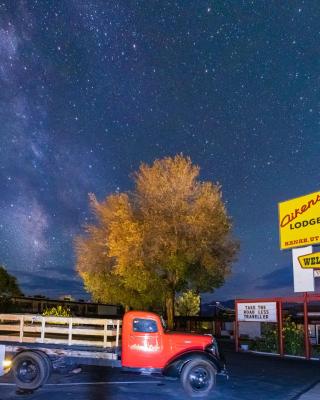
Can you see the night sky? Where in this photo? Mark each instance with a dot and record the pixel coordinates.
(89, 89)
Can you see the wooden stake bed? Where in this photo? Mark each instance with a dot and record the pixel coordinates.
(87, 338)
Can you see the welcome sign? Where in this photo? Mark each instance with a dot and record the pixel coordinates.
(299, 221)
(310, 261)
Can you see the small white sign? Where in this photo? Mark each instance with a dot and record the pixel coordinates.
(303, 279)
(316, 273)
(263, 312)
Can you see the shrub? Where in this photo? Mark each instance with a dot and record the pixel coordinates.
(293, 336)
(59, 311)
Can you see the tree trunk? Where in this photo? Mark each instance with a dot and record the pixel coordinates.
(126, 308)
(170, 310)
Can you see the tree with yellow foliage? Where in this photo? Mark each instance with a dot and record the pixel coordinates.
(171, 233)
(188, 304)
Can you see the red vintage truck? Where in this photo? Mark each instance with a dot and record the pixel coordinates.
(32, 346)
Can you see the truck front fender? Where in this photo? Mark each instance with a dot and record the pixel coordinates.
(175, 365)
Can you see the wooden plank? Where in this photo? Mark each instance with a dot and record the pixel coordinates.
(9, 338)
(92, 332)
(56, 329)
(59, 320)
(87, 332)
(33, 318)
(10, 317)
(32, 329)
(21, 329)
(61, 330)
(93, 321)
(15, 328)
(65, 320)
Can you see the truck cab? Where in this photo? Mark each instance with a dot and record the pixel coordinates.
(147, 345)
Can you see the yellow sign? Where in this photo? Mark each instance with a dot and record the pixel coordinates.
(299, 221)
(310, 261)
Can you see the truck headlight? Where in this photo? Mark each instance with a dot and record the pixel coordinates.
(213, 348)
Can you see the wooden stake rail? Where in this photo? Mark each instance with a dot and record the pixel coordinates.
(60, 330)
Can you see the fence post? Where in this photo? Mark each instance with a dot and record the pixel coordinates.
(236, 327)
(105, 328)
(43, 327)
(21, 329)
(118, 333)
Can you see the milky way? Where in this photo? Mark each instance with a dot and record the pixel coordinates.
(89, 89)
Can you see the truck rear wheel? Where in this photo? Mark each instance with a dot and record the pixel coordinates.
(30, 370)
(48, 363)
(198, 378)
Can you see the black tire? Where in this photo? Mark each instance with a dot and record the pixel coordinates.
(30, 370)
(48, 363)
(198, 377)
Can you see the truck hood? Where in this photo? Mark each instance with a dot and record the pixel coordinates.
(183, 341)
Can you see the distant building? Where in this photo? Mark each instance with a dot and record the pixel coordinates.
(36, 305)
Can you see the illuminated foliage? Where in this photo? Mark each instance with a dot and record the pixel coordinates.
(188, 304)
(170, 233)
(59, 311)
(293, 338)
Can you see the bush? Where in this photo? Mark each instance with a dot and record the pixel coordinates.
(293, 336)
(59, 311)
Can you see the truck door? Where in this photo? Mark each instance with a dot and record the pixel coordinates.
(145, 344)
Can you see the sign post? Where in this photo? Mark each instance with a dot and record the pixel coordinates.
(280, 329)
(305, 326)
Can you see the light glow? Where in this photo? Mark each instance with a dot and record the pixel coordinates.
(6, 363)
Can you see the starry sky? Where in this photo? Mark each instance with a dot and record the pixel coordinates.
(89, 89)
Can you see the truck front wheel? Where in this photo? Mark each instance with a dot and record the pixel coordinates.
(30, 370)
(198, 377)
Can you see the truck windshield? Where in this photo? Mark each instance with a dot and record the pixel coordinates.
(163, 323)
